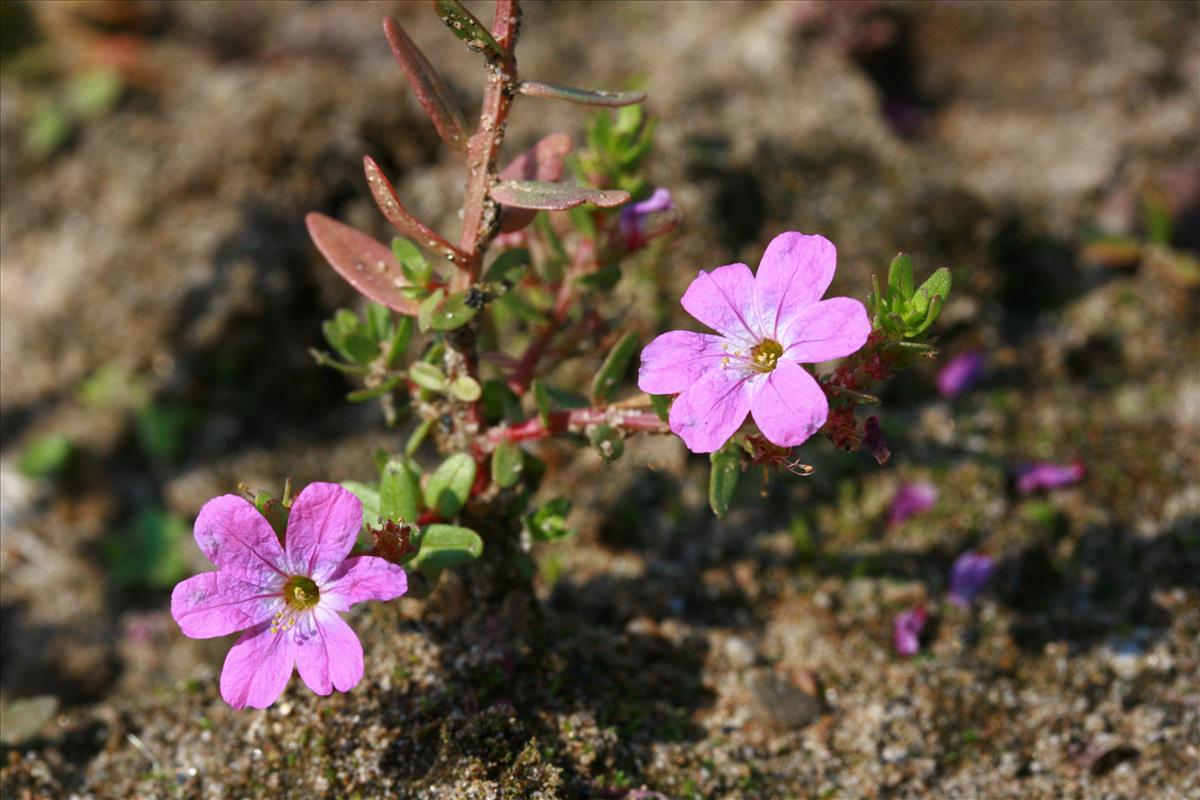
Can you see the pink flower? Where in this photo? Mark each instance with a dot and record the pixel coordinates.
(636, 218)
(767, 326)
(961, 373)
(968, 575)
(1046, 475)
(911, 499)
(907, 629)
(286, 598)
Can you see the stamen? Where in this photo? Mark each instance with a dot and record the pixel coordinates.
(765, 355)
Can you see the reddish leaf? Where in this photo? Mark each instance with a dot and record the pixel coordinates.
(542, 162)
(428, 86)
(587, 97)
(366, 264)
(545, 196)
(389, 203)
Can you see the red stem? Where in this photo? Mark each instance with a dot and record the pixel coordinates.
(577, 421)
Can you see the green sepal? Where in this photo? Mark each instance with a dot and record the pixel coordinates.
(900, 278)
(937, 285)
(274, 511)
(450, 484)
(661, 403)
(723, 477)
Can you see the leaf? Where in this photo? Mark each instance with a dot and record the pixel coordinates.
(401, 335)
(547, 196)
(445, 546)
(428, 86)
(900, 277)
(450, 485)
(400, 491)
(550, 521)
(587, 97)
(506, 271)
(417, 437)
(608, 442)
(501, 403)
(379, 321)
(465, 388)
(364, 263)
(429, 307)
(463, 24)
(546, 397)
(604, 279)
(427, 376)
(608, 377)
(542, 162)
(362, 395)
(412, 262)
(723, 478)
(369, 497)
(541, 398)
(937, 285)
(453, 312)
(46, 456)
(508, 462)
(395, 213)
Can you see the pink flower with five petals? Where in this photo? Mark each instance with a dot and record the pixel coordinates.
(286, 598)
(767, 325)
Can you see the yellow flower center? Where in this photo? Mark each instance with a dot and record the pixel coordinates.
(765, 355)
(301, 593)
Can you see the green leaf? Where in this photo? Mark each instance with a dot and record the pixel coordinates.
(427, 376)
(900, 277)
(46, 456)
(550, 521)
(608, 442)
(401, 336)
(937, 285)
(429, 307)
(508, 462)
(379, 321)
(501, 403)
(605, 279)
(463, 24)
(94, 92)
(587, 97)
(453, 313)
(445, 546)
(400, 491)
(412, 262)
(507, 269)
(274, 511)
(369, 497)
(362, 395)
(450, 485)
(465, 388)
(723, 478)
(608, 377)
(541, 398)
(581, 220)
(661, 403)
(1157, 216)
(931, 315)
(417, 437)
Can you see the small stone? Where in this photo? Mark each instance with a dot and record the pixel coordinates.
(782, 700)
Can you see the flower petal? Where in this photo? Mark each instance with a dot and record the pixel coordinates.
(711, 410)
(216, 603)
(363, 578)
(788, 405)
(239, 540)
(829, 329)
(258, 667)
(328, 654)
(794, 273)
(322, 527)
(724, 301)
(677, 359)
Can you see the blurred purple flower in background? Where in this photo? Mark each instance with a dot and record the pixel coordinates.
(1046, 475)
(911, 499)
(969, 574)
(960, 373)
(907, 629)
(636, 219)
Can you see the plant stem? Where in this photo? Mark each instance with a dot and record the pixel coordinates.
(576, 421)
